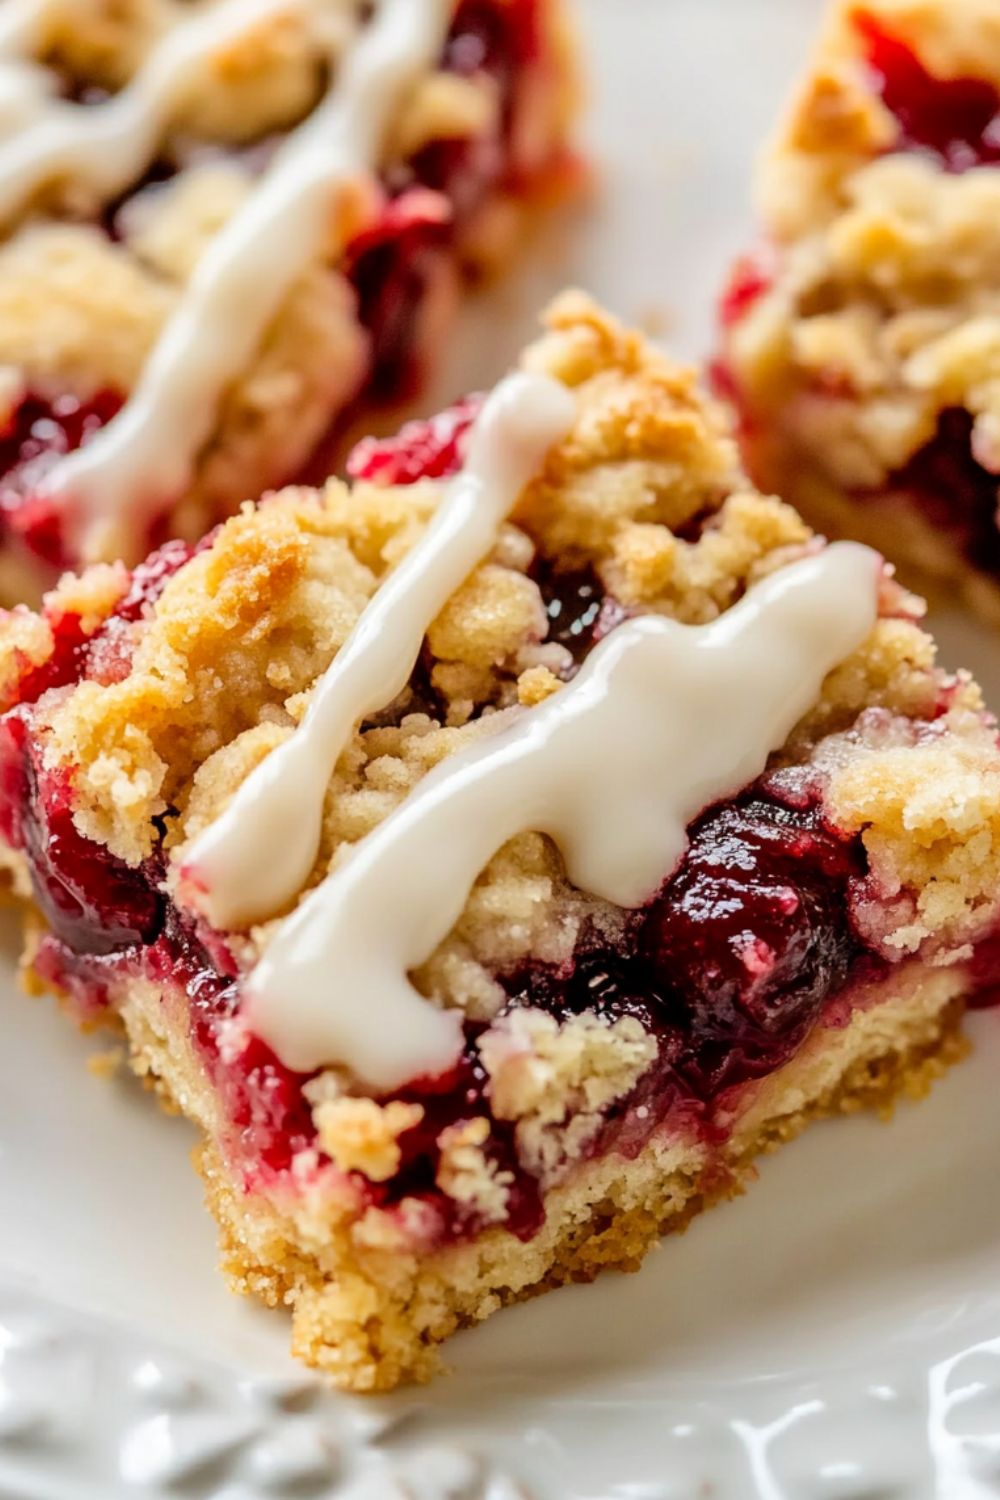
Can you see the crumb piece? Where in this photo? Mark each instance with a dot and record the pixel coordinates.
(107, 1063)
(467, 1174)
(360, 1135)
(555, 1079)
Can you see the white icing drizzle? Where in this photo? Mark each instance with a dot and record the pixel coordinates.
(25, 96)
(662, 721)
(27, 90)
(20, 22)
(146, 454)
(107, 146)
(258, 855)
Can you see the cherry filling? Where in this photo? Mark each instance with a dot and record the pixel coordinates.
(431, 449)
(733, 961)
(37, 434)
(580, 613)
(750, 279)
(105, 654)
(956, 494)
(955, 119)
(94, 903)
(729, 967)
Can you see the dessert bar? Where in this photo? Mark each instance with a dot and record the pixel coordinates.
(494, 856)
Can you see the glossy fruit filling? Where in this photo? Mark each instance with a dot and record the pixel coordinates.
(37, 433)
(957, 120)
(955, 493)
(428, 449)
(579, 610)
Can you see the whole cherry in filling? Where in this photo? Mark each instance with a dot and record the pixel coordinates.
(735, 957)
(93, 902)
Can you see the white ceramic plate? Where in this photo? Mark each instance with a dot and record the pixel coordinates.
(833, 1336)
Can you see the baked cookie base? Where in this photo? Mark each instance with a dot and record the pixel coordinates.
(371, 1318)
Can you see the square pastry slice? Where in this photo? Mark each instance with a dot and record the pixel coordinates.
(225, 222)
(862, 338)
(494, 857)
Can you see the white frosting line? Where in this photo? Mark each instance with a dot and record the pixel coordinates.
(146, 454)
(27, 90)
(20, 22)
(662, 721)
(108, 146)
(26, 94)
(258, 855)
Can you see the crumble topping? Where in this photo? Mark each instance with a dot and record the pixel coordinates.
(77, 311)
(865, 362)
(884, 319)
(557, 1080)
(359, 1135)
(927, 802)
(467, 1175)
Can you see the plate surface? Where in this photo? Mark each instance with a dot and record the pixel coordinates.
(835, 1335)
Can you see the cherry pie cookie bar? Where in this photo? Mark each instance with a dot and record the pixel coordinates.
(224, 221)
(862, 338)
(494, 857)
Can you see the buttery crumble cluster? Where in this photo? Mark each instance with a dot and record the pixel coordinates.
(647, 490)
(873, 305)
